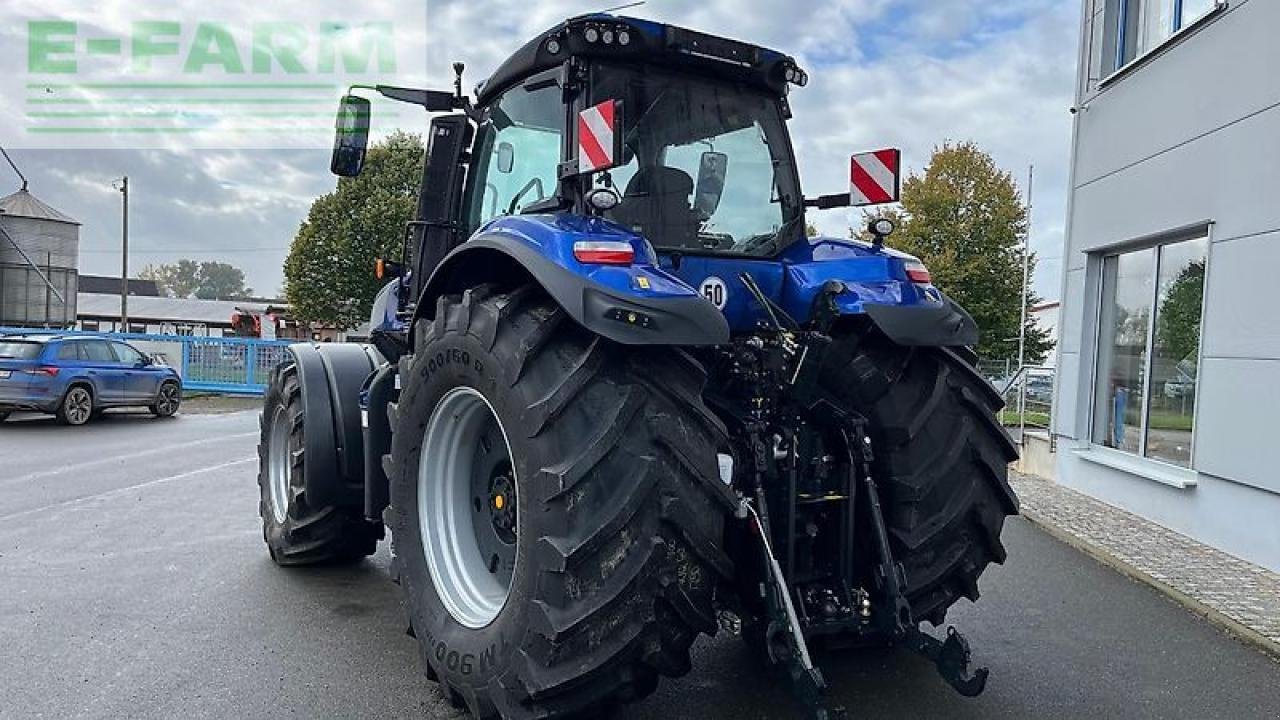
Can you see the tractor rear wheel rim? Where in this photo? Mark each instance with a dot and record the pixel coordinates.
(279, 465)
(467, 507)
(79, 406)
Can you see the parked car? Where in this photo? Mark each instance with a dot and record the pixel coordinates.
(77, 377)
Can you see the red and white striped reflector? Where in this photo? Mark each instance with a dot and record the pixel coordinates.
(873, 177)
(596, 127)
(604, 252)
(917, 272)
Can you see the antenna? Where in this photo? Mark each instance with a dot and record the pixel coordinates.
(457, 78)
(623, 7)
(14, 165)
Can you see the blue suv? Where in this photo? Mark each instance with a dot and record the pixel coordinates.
(77, 377)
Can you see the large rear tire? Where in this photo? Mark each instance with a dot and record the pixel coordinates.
(619, 508)
(941, 460)
(296, 532)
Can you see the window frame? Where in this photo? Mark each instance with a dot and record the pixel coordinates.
(115, 349)
(75, 346)
(86, 355)
(1115, 67)
(1201, 230)
(473, 198)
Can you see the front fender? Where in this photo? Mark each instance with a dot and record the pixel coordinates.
(638, 304)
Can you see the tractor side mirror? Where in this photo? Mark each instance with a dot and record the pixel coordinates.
(506, 157)
(711, 173)
(351, 136)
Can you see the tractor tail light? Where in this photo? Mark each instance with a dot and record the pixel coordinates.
(604, 252)
(918, 273)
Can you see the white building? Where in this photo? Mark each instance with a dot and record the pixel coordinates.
(1168, 389)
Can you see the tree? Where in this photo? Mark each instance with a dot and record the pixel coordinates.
(178, 279)
(1178, 326)
(965, 220)
(220, 281)
(329, 272)
(205, 280)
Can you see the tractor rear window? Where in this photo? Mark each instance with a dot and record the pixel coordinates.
(708, 165)
(19, 349)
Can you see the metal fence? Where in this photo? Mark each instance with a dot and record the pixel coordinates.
(1028, 398)
(232, 365)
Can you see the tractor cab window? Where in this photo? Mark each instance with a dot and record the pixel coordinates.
(517, 151)
(707, 164)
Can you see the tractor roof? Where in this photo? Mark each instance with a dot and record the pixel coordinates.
(645, 41)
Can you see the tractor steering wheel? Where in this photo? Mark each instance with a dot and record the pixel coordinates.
(534, 183)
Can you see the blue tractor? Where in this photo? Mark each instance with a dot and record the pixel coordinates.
(615, 397)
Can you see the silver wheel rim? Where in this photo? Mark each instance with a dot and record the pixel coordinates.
(168, 399)
(279, 465)
(79, 406)
(467, 500)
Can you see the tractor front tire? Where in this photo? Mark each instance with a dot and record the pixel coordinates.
(297, 532)
(941, 459)
(614, 548)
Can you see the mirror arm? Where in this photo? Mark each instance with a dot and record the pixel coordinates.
(826, 202)
(432, 100)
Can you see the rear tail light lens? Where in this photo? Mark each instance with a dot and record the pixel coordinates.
(918, 273)
(598, 252)
(49, 371)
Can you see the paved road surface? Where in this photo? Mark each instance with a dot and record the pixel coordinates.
(134, 583)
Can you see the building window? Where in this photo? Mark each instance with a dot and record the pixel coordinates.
(1135, 27)
(1149, 350)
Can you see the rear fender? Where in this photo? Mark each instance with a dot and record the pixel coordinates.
(874, 282)
(942, 325)
(330, 376)
(638, 304)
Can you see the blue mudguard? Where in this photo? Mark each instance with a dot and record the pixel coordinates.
(697, 299)
(636, 304)
(873, 282)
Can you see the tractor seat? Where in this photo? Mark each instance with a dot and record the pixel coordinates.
(656, 204)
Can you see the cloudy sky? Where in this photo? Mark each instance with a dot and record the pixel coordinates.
(905, 73)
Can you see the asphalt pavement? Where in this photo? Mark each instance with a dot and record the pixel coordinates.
(134, 584)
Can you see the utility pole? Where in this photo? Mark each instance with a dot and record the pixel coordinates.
(123, 186)
(1022, 300)
(1026, 270)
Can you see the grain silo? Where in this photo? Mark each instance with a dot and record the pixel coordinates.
(39, 250)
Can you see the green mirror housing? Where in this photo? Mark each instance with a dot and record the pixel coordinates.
(351, 136)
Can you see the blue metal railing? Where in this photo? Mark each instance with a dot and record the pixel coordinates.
(232, 365)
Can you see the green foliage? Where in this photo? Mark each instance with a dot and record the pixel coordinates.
(205, 280)
(329, 274)
(965, 220)
(1178, 326)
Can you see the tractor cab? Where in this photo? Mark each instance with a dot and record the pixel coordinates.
(677, 136)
